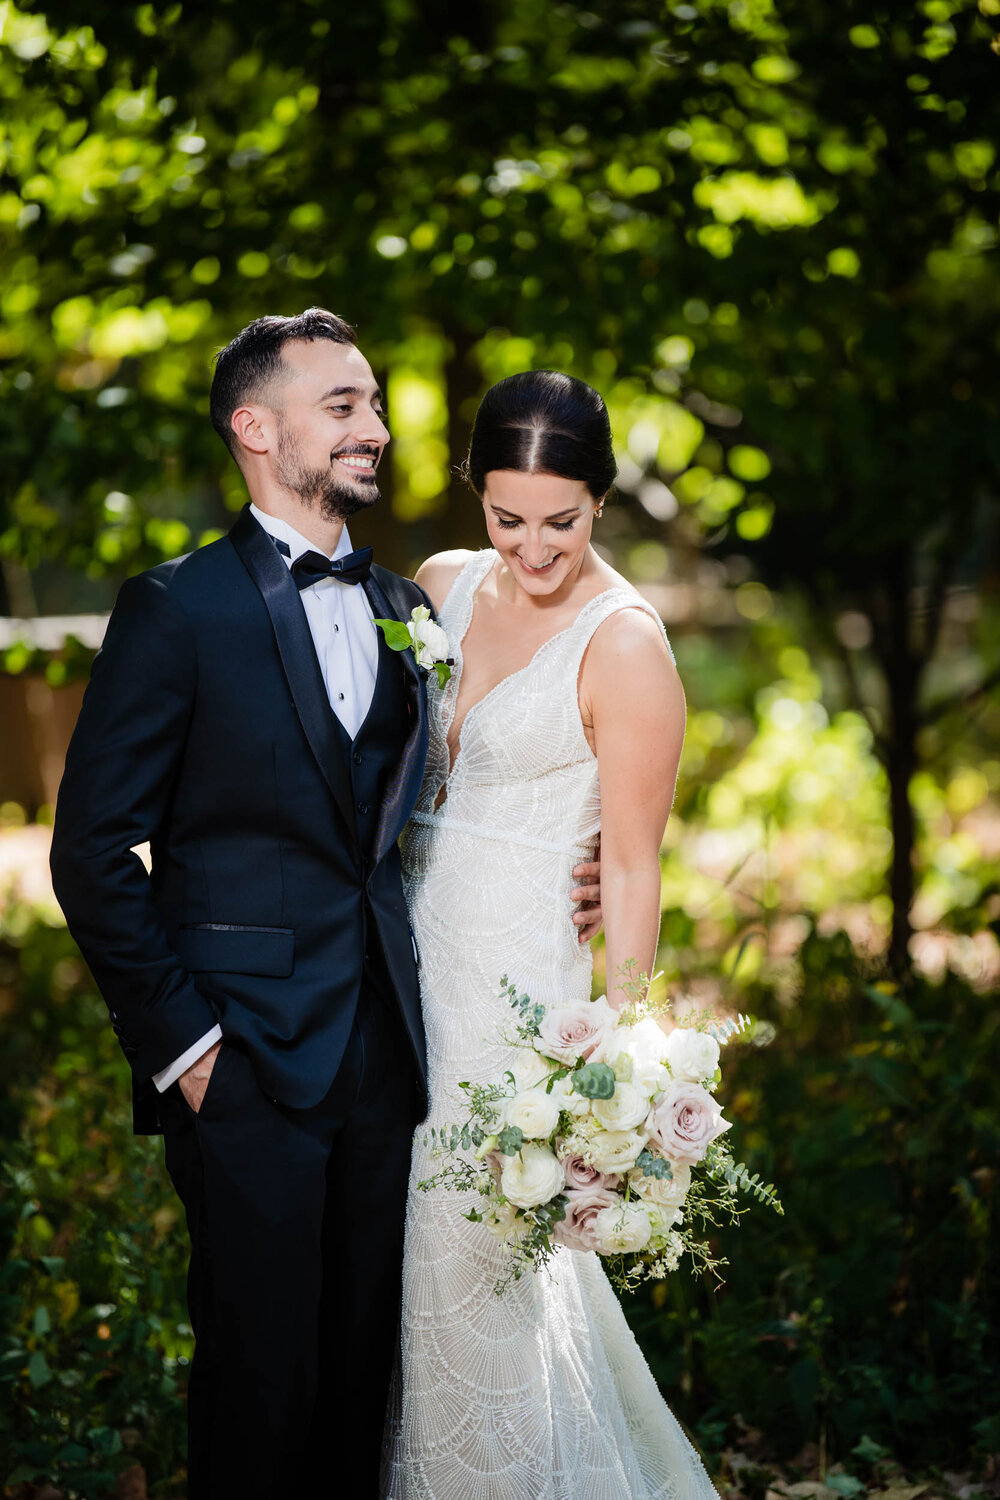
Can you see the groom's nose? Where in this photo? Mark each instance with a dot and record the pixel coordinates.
(371, 429)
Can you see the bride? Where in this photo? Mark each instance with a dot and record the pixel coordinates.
(564, 716)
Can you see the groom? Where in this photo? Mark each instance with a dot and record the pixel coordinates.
(248, 720)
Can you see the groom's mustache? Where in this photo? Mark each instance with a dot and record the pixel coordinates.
(357, 450)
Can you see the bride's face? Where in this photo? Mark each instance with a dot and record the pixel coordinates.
(540, 525)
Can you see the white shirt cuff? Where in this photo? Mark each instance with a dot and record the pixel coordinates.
(198, 1049)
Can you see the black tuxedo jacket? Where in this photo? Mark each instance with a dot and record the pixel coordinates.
(206, 729)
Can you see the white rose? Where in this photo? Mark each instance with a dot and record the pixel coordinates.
(668, 1192)
(622, 1229)
(528, 1068)
(692, 1055)
(532, 1177)
(615, 1150)
(534, 1112)
(646, 1041)
(430, 644)
(568, 1099)
(646, 1044)
(627, 1107)
(567, 1032)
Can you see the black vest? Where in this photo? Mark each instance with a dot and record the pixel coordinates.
(378, 744)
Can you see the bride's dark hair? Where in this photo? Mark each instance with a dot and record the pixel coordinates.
(542, 422)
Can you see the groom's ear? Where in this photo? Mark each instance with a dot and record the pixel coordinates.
(249, 423)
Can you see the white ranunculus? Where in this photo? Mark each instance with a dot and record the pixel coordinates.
(661, 1220)
(568, 1099)
(692, 1055)
(622, 1229)
(615, 1150)
(528, 1068)
(534, 1112)
(501, 1220)
(567, 1032)
(626, 1108)
(532, 1177)
(430, 644)
(668, 1192)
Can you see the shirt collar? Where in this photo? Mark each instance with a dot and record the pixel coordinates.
(294, 540)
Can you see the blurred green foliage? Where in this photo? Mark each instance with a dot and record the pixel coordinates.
(768, 234)
(93, 1332)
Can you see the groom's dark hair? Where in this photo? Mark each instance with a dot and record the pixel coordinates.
(252, 361)
(543, 422)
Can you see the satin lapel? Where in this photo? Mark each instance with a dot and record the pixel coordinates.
(327, 738)
(404, 780)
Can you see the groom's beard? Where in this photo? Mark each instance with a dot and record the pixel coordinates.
(335, 498)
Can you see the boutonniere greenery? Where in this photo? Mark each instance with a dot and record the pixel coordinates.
(421, 635)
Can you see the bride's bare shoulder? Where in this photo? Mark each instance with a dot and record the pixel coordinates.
(439, 572)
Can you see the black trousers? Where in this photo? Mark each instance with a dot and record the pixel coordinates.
(296, 1224)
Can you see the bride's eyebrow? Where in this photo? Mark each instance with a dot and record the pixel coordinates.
(574, 510)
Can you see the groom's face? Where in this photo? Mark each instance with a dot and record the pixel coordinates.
(330, 431)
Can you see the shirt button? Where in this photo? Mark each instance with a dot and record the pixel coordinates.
(336, 629)
(362, 807)
(341, 697)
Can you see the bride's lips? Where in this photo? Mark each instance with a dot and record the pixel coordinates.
(538, 572)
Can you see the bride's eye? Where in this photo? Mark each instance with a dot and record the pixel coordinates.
(506, 525)
(562, 525)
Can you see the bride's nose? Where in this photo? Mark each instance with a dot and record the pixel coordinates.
(534, 551)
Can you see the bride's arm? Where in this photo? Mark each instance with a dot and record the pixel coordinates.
(633, 697)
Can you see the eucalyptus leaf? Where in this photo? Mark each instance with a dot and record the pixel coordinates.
(510, 1140)
(654, 1166)
(594, 1081)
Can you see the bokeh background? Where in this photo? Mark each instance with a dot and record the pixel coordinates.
(767, 231)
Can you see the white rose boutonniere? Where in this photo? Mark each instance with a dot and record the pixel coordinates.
(424, 637)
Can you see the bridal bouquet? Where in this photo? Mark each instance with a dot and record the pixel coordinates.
(604, 1135)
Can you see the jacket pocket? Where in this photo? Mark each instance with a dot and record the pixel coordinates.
(227, 948)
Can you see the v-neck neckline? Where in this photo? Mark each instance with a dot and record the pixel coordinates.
(456, 677)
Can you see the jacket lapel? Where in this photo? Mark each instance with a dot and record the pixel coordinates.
(403, 784)
(324, 732)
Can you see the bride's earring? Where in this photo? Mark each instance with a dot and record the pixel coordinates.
(598, 513)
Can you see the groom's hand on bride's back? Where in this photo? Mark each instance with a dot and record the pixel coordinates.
(587, 894)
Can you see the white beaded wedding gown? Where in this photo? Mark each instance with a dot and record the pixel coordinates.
(541, 1393)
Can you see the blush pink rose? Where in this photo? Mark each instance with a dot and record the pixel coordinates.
(583, 1205)
(686, 1121)
(583, 1174)
(567, 1032)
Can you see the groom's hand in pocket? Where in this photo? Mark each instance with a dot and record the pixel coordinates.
(587, 893)
(194, 1082)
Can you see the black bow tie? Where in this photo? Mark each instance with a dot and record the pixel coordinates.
(312, 566)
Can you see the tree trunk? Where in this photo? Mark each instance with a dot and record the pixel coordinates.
(462, 382)
(902, 668)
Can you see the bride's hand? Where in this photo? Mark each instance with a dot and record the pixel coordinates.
(587, 892)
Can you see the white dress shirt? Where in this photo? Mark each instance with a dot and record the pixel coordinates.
(340, 622)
